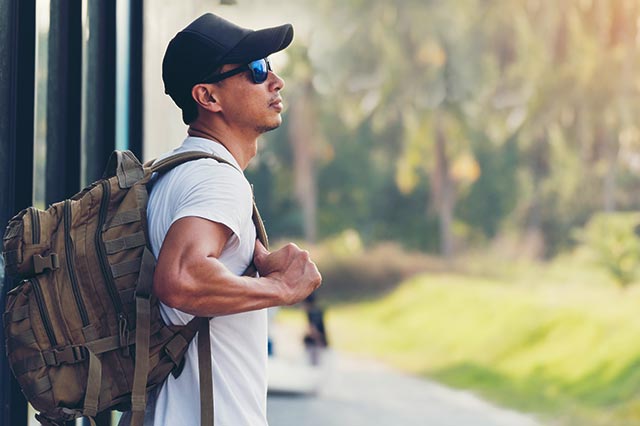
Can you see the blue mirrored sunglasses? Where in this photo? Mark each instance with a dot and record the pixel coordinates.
(259, 72)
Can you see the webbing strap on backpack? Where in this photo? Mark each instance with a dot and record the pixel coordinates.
(205, 373)
(94, 380)
(143, 326)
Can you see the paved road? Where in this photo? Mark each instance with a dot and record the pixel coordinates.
(353, 392)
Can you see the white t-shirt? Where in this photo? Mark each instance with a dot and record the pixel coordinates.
(218, 192)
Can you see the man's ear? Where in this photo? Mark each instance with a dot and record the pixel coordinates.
(205, 97)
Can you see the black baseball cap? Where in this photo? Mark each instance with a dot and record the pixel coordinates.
(210, 42)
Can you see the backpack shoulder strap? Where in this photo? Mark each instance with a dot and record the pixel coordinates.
(175, 160)
(261, 232)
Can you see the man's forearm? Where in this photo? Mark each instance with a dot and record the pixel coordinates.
(208, 288)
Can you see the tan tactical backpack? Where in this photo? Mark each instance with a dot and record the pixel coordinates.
(83, 329)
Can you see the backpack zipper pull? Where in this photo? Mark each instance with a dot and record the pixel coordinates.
(123, 333)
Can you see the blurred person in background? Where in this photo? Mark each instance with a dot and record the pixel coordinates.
(315, 339)
(200, 221)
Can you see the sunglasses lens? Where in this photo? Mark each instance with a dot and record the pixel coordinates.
(260, 70)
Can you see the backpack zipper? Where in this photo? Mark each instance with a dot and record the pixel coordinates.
(35, 226)
(102, 255)
(70, 264)
(44, 315)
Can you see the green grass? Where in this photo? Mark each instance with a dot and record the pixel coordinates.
(552, 339)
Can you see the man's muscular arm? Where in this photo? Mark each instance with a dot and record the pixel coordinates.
(190, 277)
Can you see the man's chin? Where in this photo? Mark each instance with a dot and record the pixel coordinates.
(268, 127)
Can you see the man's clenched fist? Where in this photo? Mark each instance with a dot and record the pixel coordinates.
(289, 267)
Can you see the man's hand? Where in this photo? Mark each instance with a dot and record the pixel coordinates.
(291, 268)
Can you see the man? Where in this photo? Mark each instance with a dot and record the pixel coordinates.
(200, 221)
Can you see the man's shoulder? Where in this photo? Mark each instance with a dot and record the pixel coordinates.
(206, 180)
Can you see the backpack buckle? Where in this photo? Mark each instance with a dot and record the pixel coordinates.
(49, 262)
(67, 355)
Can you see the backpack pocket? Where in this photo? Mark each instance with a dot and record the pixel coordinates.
(51, 373)
(27, 242)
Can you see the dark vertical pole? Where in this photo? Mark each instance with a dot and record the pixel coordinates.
(64, 96)
(100, 100)
(17, 70)
(136, 105)
(100, 91)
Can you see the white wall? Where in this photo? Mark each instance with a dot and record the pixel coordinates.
(163, 126)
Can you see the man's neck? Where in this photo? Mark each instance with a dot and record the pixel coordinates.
(242, 147)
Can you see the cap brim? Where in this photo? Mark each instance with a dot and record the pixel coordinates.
(260, 44)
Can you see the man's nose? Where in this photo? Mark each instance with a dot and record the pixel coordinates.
(275, 81)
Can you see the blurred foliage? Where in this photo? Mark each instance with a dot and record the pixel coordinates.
(614, 244)
(351, 274)
(342, 246)
(410, 120)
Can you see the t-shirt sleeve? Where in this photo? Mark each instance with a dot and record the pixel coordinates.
(216, 192)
